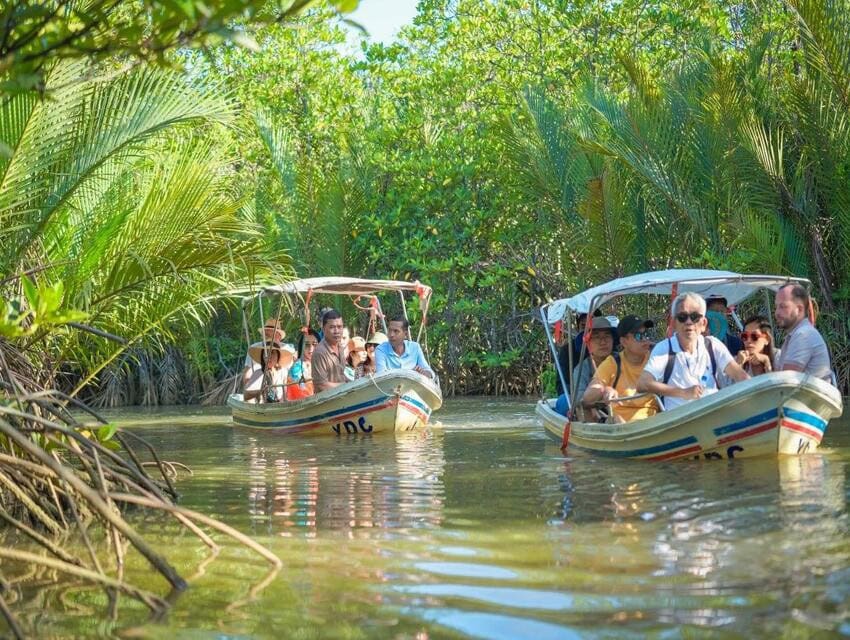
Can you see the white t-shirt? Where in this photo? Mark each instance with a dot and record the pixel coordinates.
(689, 369)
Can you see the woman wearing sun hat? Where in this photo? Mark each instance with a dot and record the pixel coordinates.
(356, 359)
(273, 360)
(377, 338)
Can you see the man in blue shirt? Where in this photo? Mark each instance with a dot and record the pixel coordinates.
(398, 353)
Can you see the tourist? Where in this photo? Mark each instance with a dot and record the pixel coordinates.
(758, 355)
(328, 362)
(252, 372)
(300, 383)
(686, 366)
(372, 343)
(398, 353)
(717, 317)
(599, 346)
(617, 375)
(274, 360)
(357, 357)
(804, 348)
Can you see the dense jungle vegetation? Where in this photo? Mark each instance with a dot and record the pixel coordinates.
(502, 152)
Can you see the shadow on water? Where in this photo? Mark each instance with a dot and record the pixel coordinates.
(480, 528)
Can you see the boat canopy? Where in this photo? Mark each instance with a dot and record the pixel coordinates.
(735, 287)
(344, 286)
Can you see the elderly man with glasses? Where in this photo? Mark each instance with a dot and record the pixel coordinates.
(619, 373)
(687, 365)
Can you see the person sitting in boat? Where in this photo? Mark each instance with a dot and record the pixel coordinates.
(356, 359)
(328, 361)
(717, 317)
(686, 366)
(758, 355)
(372, 343)
(600, 346)
(804, 348)
(564, 351)
(274, 360)
(300, 382)
(252, 372)
(617, 375)
(398, 353)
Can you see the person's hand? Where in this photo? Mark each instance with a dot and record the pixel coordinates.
(742, 357)
(422, 371)
(763, 360)
(692, 393)
(610, 393)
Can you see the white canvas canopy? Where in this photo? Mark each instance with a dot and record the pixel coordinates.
(344, 286)
(735, 287)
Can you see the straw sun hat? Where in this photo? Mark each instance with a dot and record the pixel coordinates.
(286, 352)
(377, 338)
(356, 344)
(273, 325)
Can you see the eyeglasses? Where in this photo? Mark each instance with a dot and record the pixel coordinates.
(695, 316)
(746, 336)
(640, 336)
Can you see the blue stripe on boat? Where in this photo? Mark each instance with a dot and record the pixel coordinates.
(660, 448)
(748, 422)
(808, 418)
(416, 403)
(308, 419)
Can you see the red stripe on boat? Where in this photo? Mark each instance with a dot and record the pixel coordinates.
(795, 426)
(675, 454)
(749, 432)
(414, 410)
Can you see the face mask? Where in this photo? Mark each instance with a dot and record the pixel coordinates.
(717, 324)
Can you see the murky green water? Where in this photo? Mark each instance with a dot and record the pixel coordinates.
(482, 529)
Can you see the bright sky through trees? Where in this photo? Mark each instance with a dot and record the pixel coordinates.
(383, 18)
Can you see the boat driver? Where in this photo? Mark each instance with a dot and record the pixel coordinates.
(398, 353)
(686, 366)
(328, 361)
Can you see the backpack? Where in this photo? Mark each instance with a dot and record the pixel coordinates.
(671, 360)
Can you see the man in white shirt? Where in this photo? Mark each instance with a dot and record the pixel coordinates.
(685, 367)
(804, 348)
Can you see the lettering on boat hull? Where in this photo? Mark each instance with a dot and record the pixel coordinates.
(349, 426)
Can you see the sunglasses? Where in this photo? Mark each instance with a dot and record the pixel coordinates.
(695, 316)
(640, 336)
(746, 336)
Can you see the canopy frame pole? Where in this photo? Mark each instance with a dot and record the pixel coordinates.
(381, 314)
(553, 348)
(425, 306)
(404, 311)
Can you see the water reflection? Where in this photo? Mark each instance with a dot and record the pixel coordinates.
(351, 485)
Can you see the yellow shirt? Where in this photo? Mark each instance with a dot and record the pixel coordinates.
(626, 386)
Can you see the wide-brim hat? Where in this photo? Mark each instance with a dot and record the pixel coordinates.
(377, 338)
(286, 352)
(356, 344)
(631, 323)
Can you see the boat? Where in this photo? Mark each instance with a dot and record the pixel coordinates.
(783, 412)
(393, 401)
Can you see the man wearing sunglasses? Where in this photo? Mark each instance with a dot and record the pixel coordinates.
(618, 374)
(686, 366)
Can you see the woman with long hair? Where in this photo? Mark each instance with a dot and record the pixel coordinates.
(300, 383)
(758, 355)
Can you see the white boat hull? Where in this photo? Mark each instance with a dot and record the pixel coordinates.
(776, 413)
(397, 400)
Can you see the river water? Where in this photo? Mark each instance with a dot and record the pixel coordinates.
(480, 528)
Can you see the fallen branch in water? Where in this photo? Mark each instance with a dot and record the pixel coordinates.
(58, 476)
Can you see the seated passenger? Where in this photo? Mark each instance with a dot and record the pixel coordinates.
(398, 353)
(252, 372)
(685, 367)
(274, 360)
(717, 315)
(804, 348)
(618, 374)
(328, 359)
(300, 382)
(356, 359)
(372, 343)
(600, 346)
(758, 355)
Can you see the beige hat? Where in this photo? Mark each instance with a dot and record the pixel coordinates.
(286, 352)
(356, 344)
(272, 324)
(377, 338)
